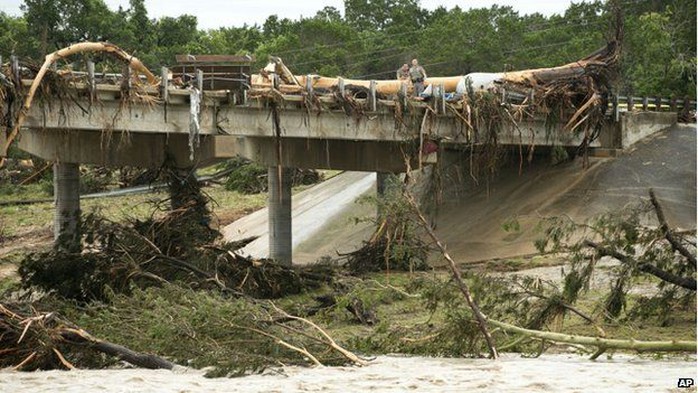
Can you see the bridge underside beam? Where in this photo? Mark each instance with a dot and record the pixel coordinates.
(216, 119)
(152, 150)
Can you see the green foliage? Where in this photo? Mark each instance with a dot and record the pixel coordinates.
(397, 242)
(511, 225)
(247, 177)
(630, 237)
(15, 37)
(94, 179)
(199, 329)
(71, 276)
(450, 329)
(660, 49)
(558, 155)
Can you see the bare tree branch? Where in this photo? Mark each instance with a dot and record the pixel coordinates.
(481, 319)
(668, 234)
(684, 282)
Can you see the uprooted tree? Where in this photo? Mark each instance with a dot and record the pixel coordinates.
(640, 240)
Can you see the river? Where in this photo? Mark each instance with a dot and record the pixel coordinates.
(511, 373)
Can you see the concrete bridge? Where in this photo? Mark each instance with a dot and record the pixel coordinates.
(147, 127)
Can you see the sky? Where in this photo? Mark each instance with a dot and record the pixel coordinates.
(212, 14)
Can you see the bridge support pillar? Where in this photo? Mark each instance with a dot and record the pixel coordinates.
(280, 237)
(381, 185)
(66, 191)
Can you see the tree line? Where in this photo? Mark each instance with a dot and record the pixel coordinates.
(374, 37)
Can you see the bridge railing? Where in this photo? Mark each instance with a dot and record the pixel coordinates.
(620, 103)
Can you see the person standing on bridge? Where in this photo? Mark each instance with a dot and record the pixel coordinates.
(417, 76)
(403, 73)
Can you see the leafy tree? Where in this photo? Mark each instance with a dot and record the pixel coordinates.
(175, 36)
(384, 14)
(15, 38)
(58, 23)
(640, 250)
(274, 27)
(141, 26)
(229, 40)
(657, 59)
(42, 17)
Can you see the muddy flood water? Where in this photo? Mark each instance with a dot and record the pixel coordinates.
(511, 373)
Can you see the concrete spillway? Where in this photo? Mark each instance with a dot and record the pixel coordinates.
(470, 220)
(471, 223)
(311, 210)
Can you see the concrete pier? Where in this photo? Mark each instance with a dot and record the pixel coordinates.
(66, 190)
(280, 236)
(381, 184)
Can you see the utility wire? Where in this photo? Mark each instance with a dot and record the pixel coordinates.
(458, 60)
(373, 52)
(548, 26)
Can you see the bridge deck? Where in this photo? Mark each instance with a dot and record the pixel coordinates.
(110, 125)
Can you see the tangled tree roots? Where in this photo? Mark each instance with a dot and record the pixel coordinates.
(395, 245)
(156, 252)
(177, 247)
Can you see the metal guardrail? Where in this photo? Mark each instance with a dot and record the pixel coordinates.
(620, 103)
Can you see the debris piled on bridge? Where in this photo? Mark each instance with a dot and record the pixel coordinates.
(85, 47)
(572, 99)
(578, 88)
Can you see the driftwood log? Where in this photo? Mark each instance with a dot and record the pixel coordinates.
(35, 342)
(533, 78)
(601, 343)
(145, 360)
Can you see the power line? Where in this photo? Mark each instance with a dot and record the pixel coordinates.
(357, 54)
(548, 25)
(458, 60)
(410, 48)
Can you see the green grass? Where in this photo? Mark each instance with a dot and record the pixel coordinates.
(20, 219)
(11, 192)
(17, 220)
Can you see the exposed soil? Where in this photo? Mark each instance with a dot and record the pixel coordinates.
(37, 238)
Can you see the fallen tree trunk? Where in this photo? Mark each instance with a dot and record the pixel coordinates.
(479, 317)
(601, 343)
(602, 59)
(81, 337)
(51, 58)
(668, 234)
(683, 282)
(31, 343)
